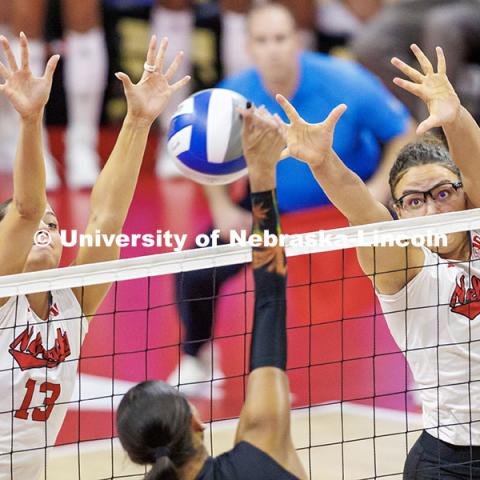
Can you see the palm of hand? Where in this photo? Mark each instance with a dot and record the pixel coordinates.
(266, 141)
(310, 142)
(263, 137)
(27, 94)
(432, 87)
(440, 97)
(148, 98)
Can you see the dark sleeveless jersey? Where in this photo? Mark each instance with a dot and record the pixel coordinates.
(244, 462)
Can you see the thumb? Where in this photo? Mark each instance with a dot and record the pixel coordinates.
(285, 154)
(125, 79)
(426, 125)
(247, 115)
(335, 115)
(51, 66)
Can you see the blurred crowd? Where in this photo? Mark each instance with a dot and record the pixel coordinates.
(98, 38)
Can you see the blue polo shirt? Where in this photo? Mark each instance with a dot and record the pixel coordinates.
(374, 117)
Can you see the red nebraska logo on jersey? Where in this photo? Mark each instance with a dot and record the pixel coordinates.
(466, 301)
(32, 354)
(54, 310)
(476, 241)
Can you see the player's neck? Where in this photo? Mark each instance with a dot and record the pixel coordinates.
(191, 470)
(460, 252)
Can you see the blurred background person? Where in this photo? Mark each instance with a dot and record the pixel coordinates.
(453, 24)
(85, 75)
(175, 20)
(368, 137)
(338, 21)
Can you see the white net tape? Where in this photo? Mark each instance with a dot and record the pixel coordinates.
(188, 260)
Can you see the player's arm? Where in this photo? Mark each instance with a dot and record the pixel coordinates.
(265, 417)
(28, 95)
(113, 192)
(312, 143)
(461, 130)
(226, 215)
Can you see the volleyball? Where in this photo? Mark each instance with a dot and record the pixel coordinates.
(205, 137)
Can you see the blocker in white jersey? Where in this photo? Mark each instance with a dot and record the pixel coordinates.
(435, 320)
(38, 365)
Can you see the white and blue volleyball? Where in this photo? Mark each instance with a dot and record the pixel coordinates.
(205, 137)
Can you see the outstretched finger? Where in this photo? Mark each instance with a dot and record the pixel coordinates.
(264, 114)
(161, 54)
(289, 109)
(23, 51)
(335, 115)
(422, 59)
(51, 66)
(181, 83)
(4, 71)
(152, 46)
(247, 116)
(409, 71)
(279, 121)
(245, 112)
(410, 87)
(172, 69)
(441, 62)
(125, 79)
(9, 54)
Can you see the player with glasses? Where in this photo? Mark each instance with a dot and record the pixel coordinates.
(425, 293)
(441, 194)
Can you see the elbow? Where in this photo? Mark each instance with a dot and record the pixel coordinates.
(107, 222)
(31, 211)
(271, 421)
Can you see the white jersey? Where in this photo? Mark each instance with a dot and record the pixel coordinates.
(435, 321)
(38, 365)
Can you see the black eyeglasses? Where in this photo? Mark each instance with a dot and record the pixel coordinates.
(440, 194)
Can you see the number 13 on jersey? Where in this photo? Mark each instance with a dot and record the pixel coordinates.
(39, 414)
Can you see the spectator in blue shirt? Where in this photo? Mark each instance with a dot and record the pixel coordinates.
(375, 126)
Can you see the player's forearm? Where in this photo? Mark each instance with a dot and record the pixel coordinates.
(463, 136)
(29, 170)
(348, 192)
(114, 189)
(269, 339)
(263, 180)
(217, 196)
(267, 406)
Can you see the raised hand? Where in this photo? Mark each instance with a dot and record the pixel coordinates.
(263, 136)
(309, 142)
(433, 88)
(263, 139)
(148, 98)
(28, 94)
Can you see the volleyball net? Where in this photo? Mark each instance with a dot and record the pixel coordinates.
(355, 407)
